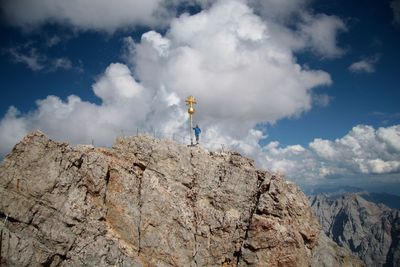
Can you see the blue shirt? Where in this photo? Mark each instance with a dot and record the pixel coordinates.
(197, 130)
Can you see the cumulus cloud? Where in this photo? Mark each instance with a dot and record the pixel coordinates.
(300, 28)
(364, 155)
(293, 22)
(13, 127)
(125, 105)
(117, 76)
(294, 160)
(242, 69)
(235, 65)
(227, 56)
(363, 150)
(366, 65)
(317, 32)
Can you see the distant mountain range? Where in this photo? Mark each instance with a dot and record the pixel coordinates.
(329, 189)
(390, 200)
(360, 222)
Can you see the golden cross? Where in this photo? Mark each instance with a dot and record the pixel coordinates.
(190, 101)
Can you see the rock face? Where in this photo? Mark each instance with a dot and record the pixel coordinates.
(149, 202)
(371, 231)
(328, 253)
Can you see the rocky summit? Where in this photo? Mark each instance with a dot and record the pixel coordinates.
(150, 202)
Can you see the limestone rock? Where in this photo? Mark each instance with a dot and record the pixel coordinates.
(369, 230)
(329, 254)
(148, 202)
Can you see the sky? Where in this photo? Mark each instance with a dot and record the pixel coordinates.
(308, 88)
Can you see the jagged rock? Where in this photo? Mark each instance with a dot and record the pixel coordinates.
(371, 231)
(149, 202)
(327, 253)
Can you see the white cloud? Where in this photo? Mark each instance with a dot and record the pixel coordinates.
(363, 150)
(366, 65)
(320, 31)
(362, 66)
(101, 15)
(125, 106)
(395, 5)
(324, 148)
(363, 156)
(32, 60)
(390, 136)
(234, 64)
(298, 27)
(118, 77)
(306, 30)
(37, 61)
(242, 70)
(293, 159)
(380, 166)
(13, 127)
(231, 60)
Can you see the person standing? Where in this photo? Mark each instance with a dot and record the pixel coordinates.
(197, 132)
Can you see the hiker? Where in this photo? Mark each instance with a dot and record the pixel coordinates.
(197, 132)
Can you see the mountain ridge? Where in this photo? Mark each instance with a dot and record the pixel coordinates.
(370, 230)
(151, 202)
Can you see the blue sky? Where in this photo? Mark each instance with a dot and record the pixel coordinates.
(314, 85)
